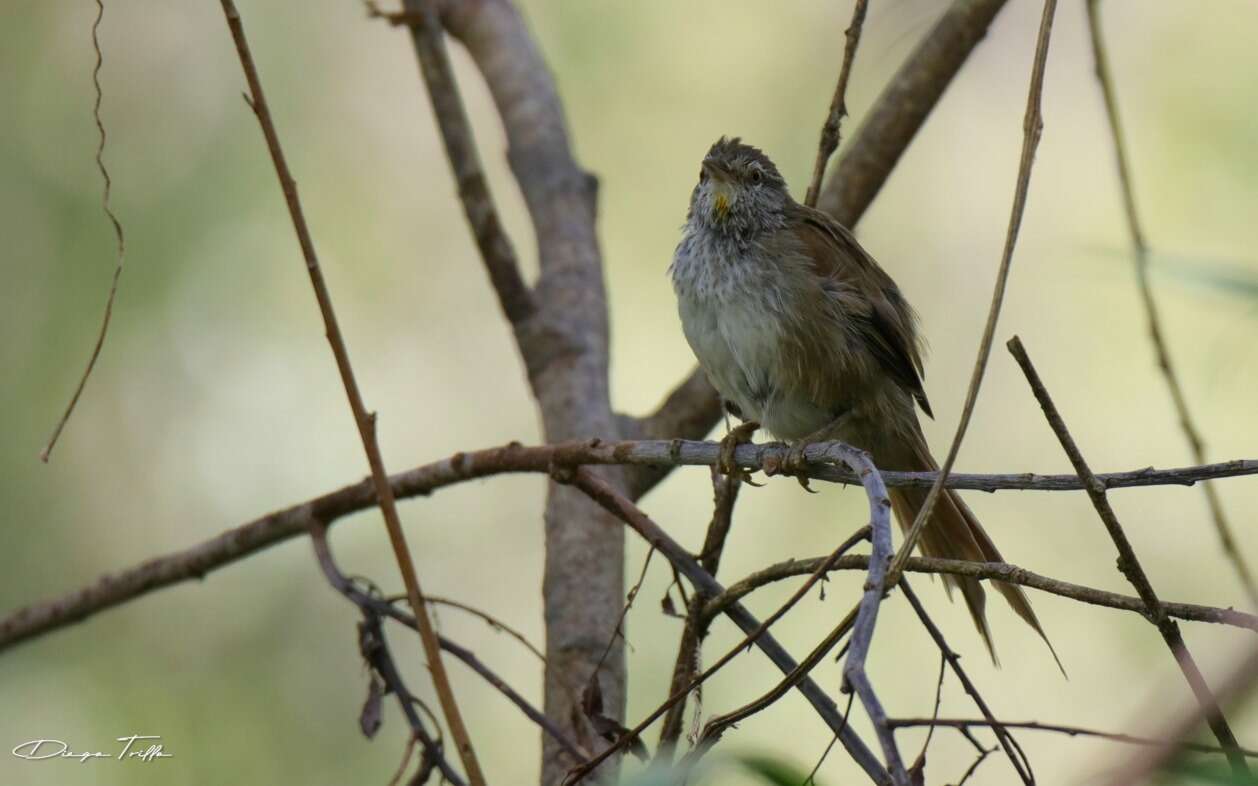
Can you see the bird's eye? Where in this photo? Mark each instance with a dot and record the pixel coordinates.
(757, 177)
(703, 174)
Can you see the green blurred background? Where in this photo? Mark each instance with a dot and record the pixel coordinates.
(216, 399)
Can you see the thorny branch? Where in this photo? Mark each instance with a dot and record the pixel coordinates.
(46, 452)
(1129, 565)
(366, 422)
(1141, 248)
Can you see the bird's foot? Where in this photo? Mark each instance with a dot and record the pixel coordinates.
(725, 463)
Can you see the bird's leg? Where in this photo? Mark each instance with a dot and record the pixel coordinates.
(739, 435)
(794, 462)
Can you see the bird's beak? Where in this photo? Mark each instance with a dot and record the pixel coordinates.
(723, 192)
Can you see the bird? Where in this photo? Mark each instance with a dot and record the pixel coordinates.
(802, 333)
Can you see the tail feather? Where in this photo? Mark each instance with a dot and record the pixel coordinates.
(955, 533)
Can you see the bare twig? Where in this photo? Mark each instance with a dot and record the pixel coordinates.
(983, 753)
(725, 490)
(46, 452)
(1178, 725)
(620, 506)
(495, 247)
(902, 108)
(996, 571)
(384, 607)
(1129, 565)
(406, 761)
(1141, 247)
(811, 780)
(1012, 750)
(239, 542)
(490, 620)
(375, 650)
(838, 105)
(1032, 126)
(1070, 731)
(366, 422)
(920, 762)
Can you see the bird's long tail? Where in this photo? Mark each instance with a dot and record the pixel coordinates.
(953, 532)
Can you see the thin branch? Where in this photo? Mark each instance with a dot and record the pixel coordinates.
(1070, 731)
(383, 607)
(903, 107)
(495, 247)
(376, 652)
(1129, 565)
(1177, 725)
(867, 615)
(995, 571)
(46, 452)
(621, 507)
(118, 587)
(366, 422)
(1012, 750)
(490, 620)
(725, 489)
(983, 753)
(1141, 247)
(1032, 127)
(838, 105)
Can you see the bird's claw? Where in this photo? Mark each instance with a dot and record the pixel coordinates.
(725, 463)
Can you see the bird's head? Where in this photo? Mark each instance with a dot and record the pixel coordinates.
(740, 192)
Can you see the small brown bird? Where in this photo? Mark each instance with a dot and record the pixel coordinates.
(801, 331)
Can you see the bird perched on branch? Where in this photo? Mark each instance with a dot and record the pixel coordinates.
(801, 331)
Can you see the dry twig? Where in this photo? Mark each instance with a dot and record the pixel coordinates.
(838, 105)
(1226, 539)
(1032, 126)
(46, 452)
(620, 506)
(365, 421)
(1129, 565)
(1012, 750)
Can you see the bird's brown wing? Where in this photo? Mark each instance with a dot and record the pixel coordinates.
(886, 321)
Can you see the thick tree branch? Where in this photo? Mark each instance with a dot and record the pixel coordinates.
(563, 340)
(240, 542)
(1129, 566)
